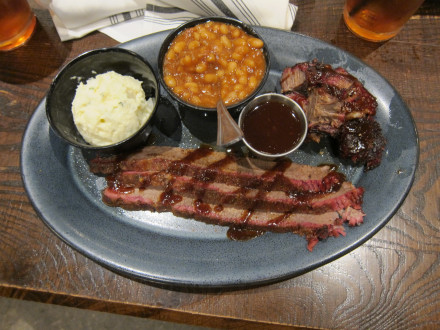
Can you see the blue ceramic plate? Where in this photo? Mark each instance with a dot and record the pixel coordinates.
(162, 248)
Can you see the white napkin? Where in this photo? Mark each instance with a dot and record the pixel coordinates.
(124, 20)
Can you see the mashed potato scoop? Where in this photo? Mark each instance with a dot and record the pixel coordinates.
(109, 108)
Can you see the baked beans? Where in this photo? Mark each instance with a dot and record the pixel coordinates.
(213, 60)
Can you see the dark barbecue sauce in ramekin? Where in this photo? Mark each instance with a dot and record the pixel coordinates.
(272, 127)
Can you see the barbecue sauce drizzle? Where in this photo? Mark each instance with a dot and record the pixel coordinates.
(241, 232)
(207, 176)
(114, 185)
(168, 197)
(271, 179)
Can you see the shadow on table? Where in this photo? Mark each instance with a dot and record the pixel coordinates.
(429, 7)
(353, 44)
(38, 58)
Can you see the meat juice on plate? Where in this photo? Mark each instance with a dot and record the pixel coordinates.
(378, 20)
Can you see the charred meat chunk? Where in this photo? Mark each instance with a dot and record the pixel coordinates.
(361, 140)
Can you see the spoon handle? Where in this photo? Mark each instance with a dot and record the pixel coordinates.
(228, 131)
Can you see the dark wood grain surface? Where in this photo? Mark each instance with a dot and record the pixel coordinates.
(392, 281)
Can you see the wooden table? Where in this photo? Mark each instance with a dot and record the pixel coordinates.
(392, 281)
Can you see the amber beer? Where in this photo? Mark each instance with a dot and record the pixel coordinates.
(378, 20)
(17, 22)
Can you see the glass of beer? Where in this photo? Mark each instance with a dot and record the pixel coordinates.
(378, 20)
(17, 22)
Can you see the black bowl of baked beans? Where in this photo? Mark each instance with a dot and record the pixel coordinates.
(213, 58)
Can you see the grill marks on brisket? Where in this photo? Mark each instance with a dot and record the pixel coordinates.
(332, 98)
(242, 193)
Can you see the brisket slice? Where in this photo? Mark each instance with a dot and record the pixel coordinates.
(332, 100)
(224, 194)
(242, 193)
(207, 165)
(313, 226)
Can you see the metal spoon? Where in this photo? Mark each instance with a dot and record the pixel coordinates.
(228, 131)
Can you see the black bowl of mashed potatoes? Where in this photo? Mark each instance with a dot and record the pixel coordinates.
(104, 100)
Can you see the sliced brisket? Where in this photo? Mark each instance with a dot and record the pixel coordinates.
(243, 193)
(207, 165)
(312, 226)
(225, 194)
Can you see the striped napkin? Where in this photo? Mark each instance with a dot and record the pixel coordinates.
(124, 20)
